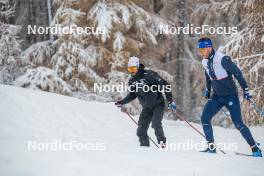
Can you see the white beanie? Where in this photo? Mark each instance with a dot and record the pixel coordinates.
(133, 61)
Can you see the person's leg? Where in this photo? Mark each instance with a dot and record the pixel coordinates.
(143, 125)
(211, 108)
(233, 105)
(156, 122)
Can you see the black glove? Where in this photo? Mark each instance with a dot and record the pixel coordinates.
(247, 94)
(172, 106)
(118, 104)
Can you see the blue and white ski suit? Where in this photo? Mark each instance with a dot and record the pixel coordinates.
(219, 72)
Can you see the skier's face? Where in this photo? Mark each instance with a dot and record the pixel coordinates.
(133, 70)
(205, 52)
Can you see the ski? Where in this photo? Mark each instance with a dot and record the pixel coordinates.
(243, 154)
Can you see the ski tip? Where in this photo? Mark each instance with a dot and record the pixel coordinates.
(250, 155)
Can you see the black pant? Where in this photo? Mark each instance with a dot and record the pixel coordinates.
(154, 115)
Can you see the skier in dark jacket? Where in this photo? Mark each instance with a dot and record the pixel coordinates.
(152, 100)
(219, 72)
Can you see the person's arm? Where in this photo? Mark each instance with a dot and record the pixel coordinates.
(232, 68)
(130, 97)
(160, 81)
(207, 91)
(208, 81)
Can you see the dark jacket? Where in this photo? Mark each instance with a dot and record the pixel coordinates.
(147, 99)
(219, 72)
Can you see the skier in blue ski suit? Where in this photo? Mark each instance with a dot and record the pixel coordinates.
(220, 91)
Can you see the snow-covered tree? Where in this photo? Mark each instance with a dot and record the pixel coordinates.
(131, 28)
(77, 61)
(245, 47)
(45, 79)
(9, 45)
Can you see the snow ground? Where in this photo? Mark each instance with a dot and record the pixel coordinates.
(28, 115)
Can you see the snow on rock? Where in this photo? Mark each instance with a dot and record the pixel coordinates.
(46, 118)
(44, 79)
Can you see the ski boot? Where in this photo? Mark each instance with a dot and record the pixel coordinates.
(144, 142)
(256, 152)
(210, 149)
(162, 145)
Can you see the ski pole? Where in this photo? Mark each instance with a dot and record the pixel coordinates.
(130, 116)
(181, 117)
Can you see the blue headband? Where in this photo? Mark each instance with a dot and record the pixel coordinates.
(205, 44)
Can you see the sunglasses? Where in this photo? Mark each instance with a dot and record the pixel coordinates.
(132, 69)
(202, 50)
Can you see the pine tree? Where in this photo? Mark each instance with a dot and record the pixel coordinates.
(9, 45)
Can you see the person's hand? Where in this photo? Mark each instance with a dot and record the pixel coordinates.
(247, 95)
(118, 104)
(172, 106)
(207, 93)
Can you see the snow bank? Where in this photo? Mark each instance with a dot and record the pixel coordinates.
(28, 115)
(44, 79)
